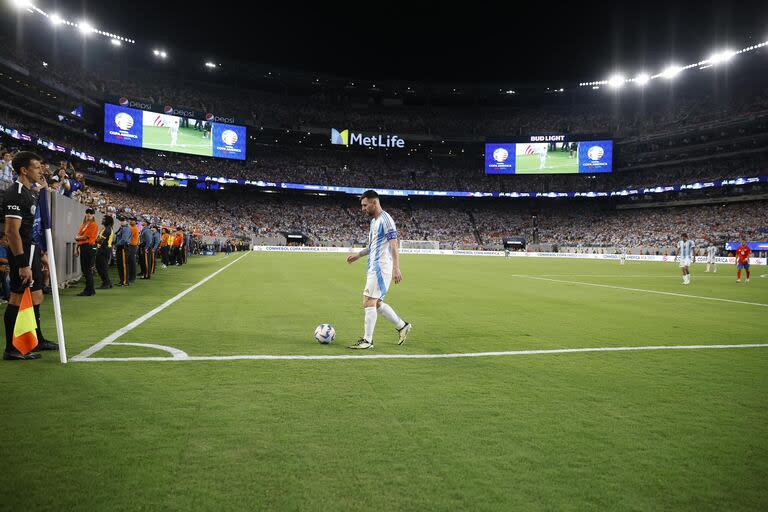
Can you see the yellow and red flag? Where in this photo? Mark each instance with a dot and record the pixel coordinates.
(24, 336)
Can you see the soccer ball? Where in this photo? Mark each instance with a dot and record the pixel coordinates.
(325, 333)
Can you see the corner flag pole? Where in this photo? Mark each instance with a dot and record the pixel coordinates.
(45, 225)
(56, 303)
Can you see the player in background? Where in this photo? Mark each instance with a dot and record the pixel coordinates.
(542, 151)
(572, 150)
(742, 260)
(173, 123)
(711, 255)
(383, 266)
(685, 250)
(623, 255)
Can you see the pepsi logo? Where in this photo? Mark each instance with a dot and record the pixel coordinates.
(595, 153)
(123, 101)
(209, 117)
(124, 121)
(168, 109)
(229, 137)
(500, 155)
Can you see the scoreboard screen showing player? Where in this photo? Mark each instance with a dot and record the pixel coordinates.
(549, 154)
(152, 130)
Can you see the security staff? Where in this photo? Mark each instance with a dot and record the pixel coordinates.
(24, 259)
(155, 245)
(86, 249)
(122, 241)
(132, 248)
(165, 246)
(145, 249)
(178, 245)
(104, 251)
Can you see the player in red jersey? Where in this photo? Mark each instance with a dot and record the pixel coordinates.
(742, 259)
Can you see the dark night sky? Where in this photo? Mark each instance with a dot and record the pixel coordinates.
(473, 42)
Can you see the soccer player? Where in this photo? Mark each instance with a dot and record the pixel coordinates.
(685, 249)
(711, 255)
(25, 259)
(383, 266)
(542, 151)
(623, 255)
(173, 124)
(742, 260)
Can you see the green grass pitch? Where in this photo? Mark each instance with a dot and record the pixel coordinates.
(557, 163)
(189, 141)
(641, 430)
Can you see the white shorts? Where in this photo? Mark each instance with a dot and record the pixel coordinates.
(685, 262)
(710, 259)
(377, 284)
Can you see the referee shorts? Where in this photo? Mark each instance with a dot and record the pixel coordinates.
(37, 272)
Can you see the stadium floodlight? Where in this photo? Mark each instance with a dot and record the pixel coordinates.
(22, 4)
(156, 53)
(56, 20)
(671, 71)
(616, 81)
(85, 28)
(115, 42)
(723, 56)
(163, 54)
(642, 79)
(210, 65)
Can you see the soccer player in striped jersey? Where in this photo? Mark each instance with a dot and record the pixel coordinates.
(711, 255)
(383, 266)
(173, 123)
(685, 249)
(542, 151)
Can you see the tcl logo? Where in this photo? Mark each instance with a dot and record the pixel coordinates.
(14, 207)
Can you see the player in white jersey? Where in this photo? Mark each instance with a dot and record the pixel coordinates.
(542, 151)
(172, 122)
(711, 255)
(383, 266)
(685, 250)
(623, 255)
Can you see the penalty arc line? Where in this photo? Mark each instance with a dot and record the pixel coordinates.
(419, 356)
(115, 335)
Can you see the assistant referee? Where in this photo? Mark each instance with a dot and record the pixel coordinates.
(20, 206)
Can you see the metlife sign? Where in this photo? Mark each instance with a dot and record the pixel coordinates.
(346, 138)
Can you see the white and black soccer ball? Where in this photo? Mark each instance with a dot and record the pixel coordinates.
(325, 333)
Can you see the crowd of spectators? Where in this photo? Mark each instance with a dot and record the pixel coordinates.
(335, 107)
(334, 220)
(391, 170)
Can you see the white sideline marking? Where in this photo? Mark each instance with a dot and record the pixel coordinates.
(115, 335)
(419, 356)
(639, 276)
(643, 290)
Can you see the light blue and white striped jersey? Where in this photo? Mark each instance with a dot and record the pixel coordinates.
(685, 249)
(712, 251)
(379, 252)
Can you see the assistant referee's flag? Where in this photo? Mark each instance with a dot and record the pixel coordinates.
(42, 222)
(24, 337)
